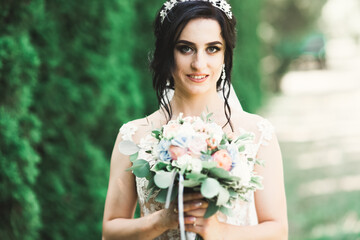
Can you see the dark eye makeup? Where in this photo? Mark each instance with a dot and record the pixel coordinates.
(186, 49)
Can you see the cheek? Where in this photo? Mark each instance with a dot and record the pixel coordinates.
(181, 63)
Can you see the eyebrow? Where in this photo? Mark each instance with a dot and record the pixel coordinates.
(191, 43)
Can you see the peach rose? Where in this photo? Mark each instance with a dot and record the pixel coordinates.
(223, 159)
(176, 152)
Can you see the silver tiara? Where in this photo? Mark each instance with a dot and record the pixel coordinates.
(220, 4)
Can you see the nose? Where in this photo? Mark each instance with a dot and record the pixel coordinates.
(198, 61)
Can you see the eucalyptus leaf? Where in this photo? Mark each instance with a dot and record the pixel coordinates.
(160, 166)
(195, 176)
(140, 168)
(227, 211)
(242, 148)
(232, 193)
(208, 165)
(210, 188)
(163, 179)
(174, 193)
(156, 134)
(223, 196)
(150, 194)
(151, 183)
(161, 197)
(128, 147)
(211, 210)
(191, 183)
(220, 173)
(134, 156)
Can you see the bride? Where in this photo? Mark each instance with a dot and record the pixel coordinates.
(193, 56)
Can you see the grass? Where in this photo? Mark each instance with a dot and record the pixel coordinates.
(332, 215)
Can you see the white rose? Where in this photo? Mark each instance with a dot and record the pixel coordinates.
(196, 165)
(183, 160)
(127, 131)
(242, 170)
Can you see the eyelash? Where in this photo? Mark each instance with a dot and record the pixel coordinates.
(183, 49)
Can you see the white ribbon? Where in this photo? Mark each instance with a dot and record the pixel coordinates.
(184, 235)
(181, 207)
(168, 196)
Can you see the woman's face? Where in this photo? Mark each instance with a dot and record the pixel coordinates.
(199, 57)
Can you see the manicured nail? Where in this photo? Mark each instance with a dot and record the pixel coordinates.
(198, 204)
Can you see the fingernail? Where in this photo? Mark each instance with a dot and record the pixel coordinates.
(192, 219)
(198, 204)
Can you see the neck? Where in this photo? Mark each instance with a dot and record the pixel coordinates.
(195, 105)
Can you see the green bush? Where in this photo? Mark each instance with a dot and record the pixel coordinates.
(71, 73)
(19, 127)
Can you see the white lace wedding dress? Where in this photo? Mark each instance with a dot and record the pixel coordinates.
(244, 213)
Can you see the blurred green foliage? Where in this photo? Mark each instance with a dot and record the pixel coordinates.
(284, 27)
(71, 72)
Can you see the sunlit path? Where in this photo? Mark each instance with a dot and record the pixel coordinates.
(317, 120)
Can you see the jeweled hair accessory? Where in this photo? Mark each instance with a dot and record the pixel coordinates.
(220, 4)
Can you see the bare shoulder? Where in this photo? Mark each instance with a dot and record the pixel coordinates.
(247, 121)
(143, 126)
(253, 123)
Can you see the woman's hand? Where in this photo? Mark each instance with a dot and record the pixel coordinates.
(170, 219)
(194, 210)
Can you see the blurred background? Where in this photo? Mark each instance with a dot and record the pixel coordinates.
(72, 72)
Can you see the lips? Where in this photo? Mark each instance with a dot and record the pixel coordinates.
(198, 78)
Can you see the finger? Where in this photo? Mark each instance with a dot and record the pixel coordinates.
(192, 196)
(195, 221)
(192, 205)
(196, 213)
(194, 228)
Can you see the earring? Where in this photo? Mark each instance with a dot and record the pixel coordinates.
(223, 75)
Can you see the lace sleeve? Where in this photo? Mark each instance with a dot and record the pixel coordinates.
(266, 130)
(127, 131)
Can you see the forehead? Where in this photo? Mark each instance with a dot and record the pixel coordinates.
(202, 31)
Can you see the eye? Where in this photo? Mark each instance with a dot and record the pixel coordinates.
(213, 49)
(184, 49)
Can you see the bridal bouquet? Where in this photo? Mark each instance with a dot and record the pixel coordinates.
(195, 153)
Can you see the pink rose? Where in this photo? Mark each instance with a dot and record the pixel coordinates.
(176, 152)
(197, 145)
(223, 159)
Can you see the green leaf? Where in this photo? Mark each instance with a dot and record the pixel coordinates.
(140, 168)
(210, 188)
(163, 179)
(161, 197)
(150, 194)
(156, 134)
(242, 148)
(220, 173)
(191, 183)
(160, 166)
(128, 147)
(232, 193)
(208, 165)
(151, 183)
(174, 193)
(223, 196)
(195, 176)
(227, 211)
(134, 156)
(211, 210)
